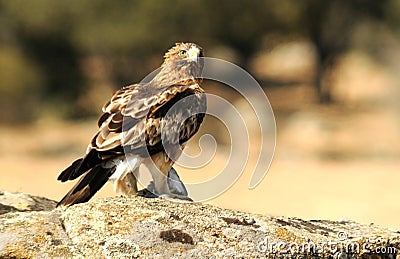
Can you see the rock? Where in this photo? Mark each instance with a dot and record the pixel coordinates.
(122, 227)
(34, 234)
(24, 202)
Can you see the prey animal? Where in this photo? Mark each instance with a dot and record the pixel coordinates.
(145, 123)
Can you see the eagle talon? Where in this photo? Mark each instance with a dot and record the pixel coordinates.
(145, 193)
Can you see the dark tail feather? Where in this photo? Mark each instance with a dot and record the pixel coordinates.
(80, 166)
(70, 171)
(87, 186)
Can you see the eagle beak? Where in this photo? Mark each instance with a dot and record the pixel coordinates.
(193, 54)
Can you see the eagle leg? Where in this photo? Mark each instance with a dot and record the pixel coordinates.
(125, 175)
(128, 184)
(159, 165)
(176, 188)
(146, 193)
(175, 184)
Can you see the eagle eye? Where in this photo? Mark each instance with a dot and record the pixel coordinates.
(182, 53)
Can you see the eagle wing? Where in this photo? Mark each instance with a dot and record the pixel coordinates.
(137, 119)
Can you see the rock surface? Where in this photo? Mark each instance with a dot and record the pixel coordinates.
(132, 227)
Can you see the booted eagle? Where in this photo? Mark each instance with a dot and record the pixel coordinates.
(147, 123)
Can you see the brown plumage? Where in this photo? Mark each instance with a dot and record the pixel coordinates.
(138, 124)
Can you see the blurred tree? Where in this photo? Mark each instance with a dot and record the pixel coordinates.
(20, 86)
(330, 24)
(54, 39)
(41, 31)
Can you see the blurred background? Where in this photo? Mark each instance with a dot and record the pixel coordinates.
(331, 70)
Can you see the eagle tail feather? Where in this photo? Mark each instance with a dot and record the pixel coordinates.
(80, 166)
(87, 186)
(70, 171)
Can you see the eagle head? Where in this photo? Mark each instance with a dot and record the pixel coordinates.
(183, 53)
(181, 62)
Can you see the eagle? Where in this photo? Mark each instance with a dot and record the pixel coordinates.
(145, 123)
